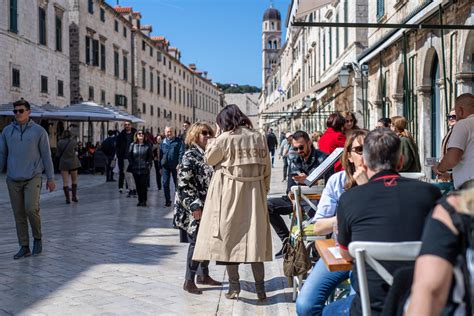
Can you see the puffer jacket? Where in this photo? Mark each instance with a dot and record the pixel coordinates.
(140, 158)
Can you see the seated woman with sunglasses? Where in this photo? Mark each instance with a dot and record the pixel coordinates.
(321, 282)
(140, 158)
(194, 176)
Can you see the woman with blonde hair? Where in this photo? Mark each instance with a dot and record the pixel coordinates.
(194, 176)
(408, 147)
(235, 227)
(69, 164)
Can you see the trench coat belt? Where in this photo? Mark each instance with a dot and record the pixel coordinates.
(227, 174)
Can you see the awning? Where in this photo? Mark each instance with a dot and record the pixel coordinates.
(374, 51)
(307, 6)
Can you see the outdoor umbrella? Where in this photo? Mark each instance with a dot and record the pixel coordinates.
(36, 111)
(86, 111)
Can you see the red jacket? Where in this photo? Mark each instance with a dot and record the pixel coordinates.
(331, 140)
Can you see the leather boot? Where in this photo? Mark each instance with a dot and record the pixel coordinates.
(190, 287)
(74, 193)
(66, 194)
(207, 280)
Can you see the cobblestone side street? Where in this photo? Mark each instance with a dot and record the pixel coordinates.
(105, 256)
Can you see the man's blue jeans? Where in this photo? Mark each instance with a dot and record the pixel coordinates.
(167, 173)
(317, 288)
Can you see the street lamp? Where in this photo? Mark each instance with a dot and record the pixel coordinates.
(344, 76)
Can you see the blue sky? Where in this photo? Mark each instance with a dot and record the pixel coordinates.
(222, 37)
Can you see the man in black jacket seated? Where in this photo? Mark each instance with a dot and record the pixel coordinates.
(308, 158)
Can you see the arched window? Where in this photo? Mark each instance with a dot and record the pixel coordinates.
(275, 45)
(269, 46)
(273, 26)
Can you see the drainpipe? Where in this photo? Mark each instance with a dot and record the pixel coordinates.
(406, 95)
(444, 60)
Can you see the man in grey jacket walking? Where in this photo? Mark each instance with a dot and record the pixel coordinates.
(25, 154)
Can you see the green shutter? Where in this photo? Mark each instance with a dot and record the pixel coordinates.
(14, 16)
(380, 9)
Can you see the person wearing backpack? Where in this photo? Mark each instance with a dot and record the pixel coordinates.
(444, 270)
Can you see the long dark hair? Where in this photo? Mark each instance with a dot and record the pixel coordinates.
(231, 117)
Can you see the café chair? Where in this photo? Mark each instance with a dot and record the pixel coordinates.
(299, 194)
(373, 252)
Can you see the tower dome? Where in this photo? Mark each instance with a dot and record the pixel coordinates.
(271, 14)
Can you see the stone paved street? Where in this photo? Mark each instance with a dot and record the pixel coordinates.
(105, 256)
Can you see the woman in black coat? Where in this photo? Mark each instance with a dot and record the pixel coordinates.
(140, 158)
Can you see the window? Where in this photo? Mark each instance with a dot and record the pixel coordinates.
(44, 84)
(164, 88)
(380, 9)
(125, 68)
(88, 50)
(59, 34)
(60, 88)
(337, 36)
(13, 16)
(151, 110)
(102, 14)
(116, 64)
(91, 93)
(143, 45)
(42, 26)
(124, 32)
(164, 113)
(346, 19)
(95, 53)
(158, 85)
(120, 100)
(164, 60)
(116, 26)
(151, 80)
(102, 96)
(144, 108)
(158, 112)
(170, 90)
(151, 51)
(15, 77)
(143, 78)
(102, 57)
(90, 6)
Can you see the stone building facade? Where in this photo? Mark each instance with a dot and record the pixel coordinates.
(34, 50)
(102, 54)
(248, 104)
(303, 88)
(410, 74)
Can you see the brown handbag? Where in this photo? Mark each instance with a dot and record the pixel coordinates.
(295, 259)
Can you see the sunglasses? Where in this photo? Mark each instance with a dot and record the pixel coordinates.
(205, 133)
(299, 148)
(349, 121)
(358, 149)
(139, 133)
(21, 111)
(451, 117)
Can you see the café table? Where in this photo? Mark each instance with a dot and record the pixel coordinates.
(331, 262)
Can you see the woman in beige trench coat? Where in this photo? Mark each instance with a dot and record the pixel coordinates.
(235, 226)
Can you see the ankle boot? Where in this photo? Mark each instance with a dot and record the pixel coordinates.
(66, 194)
(234, 291)
(190, 287)
(74, 193)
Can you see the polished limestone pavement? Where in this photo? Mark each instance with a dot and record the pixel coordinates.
(106, 256)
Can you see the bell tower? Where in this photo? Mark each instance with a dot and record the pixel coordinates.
(271, 41)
